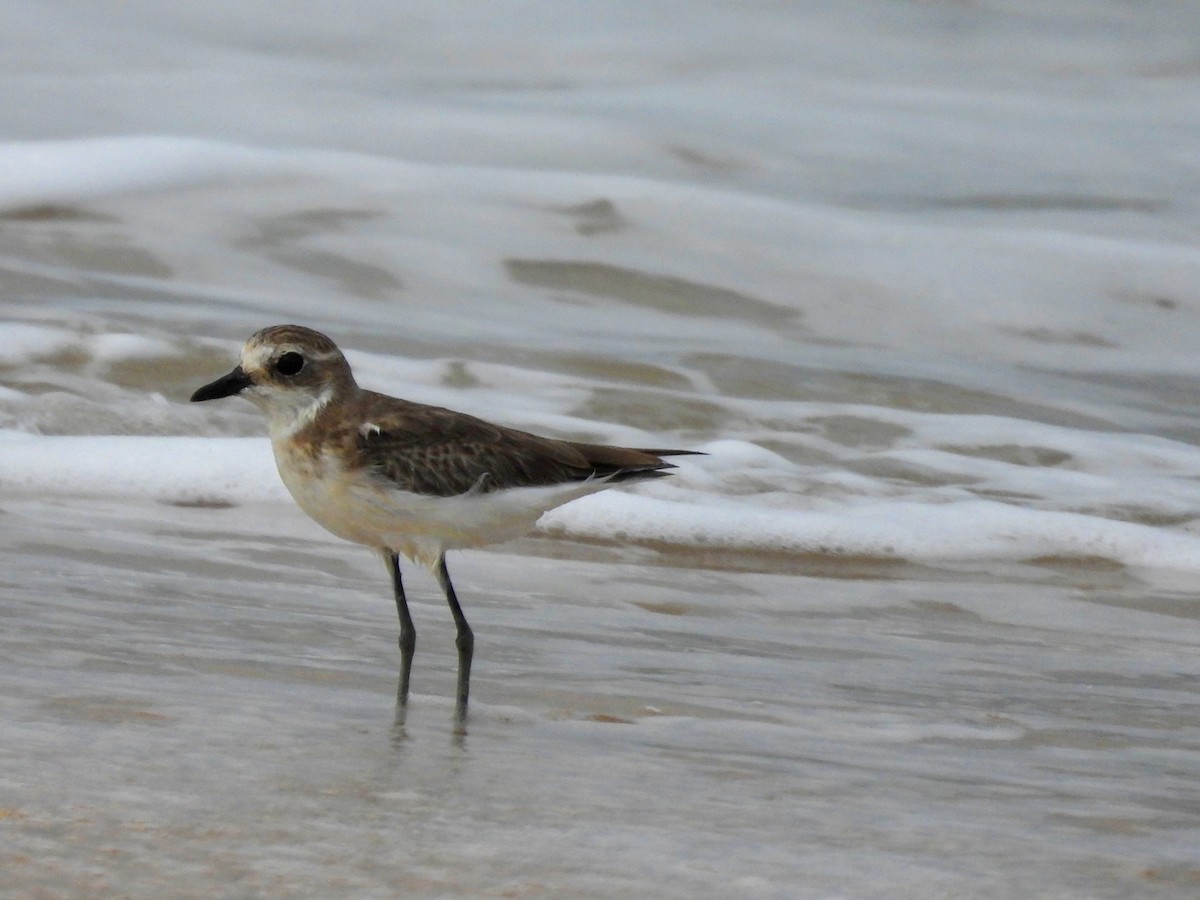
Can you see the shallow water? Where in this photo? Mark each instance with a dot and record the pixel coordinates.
(920, 278)
(200, 702)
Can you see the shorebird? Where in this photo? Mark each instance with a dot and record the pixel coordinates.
(408, 479)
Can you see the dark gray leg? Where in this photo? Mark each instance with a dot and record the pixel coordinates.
(408, 634)
(465, 642)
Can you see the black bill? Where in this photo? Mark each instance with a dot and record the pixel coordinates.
(225, 386)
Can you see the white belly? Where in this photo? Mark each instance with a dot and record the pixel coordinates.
(363, 509)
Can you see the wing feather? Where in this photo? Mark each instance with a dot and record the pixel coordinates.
(430, 450)
(439, 452)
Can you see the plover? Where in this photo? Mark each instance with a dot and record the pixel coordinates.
(408, 479)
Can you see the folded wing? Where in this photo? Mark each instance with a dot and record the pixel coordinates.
(435, 451)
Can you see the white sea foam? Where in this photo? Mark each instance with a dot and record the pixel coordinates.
(875, 519)
(855, 275)
(934, 487)
(46, 173)
(23, 342)
(177, 469)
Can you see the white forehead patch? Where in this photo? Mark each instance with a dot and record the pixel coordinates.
(256, 357)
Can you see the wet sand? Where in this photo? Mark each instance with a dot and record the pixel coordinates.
(198, 702)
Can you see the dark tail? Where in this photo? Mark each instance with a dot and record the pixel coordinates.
(673, 452)
(620, 464)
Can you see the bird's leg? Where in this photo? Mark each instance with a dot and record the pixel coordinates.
(465, 642)
(408, 634)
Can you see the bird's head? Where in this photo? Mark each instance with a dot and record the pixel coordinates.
(289, 372)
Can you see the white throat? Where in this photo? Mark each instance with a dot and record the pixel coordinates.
(289, 411)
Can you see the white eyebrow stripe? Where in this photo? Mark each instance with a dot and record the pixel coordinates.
(258, 357)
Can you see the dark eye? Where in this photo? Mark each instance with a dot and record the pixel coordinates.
(289, 363)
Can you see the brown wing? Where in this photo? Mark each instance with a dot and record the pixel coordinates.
(430, 450)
